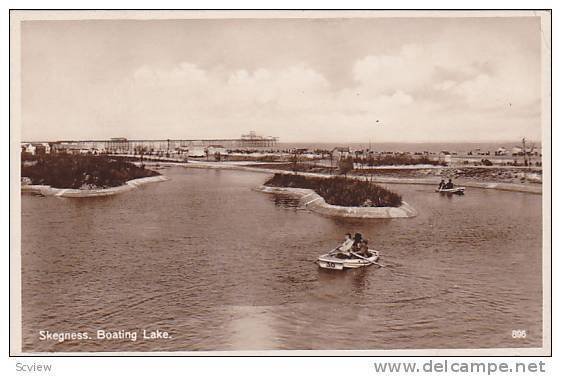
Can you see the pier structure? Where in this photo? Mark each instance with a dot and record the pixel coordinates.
(123, 145)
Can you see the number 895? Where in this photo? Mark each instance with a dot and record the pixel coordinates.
(518, 333)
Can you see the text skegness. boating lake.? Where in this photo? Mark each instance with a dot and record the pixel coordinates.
(223, 267)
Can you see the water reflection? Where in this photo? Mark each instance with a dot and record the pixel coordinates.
(251, 328)
(285, 201)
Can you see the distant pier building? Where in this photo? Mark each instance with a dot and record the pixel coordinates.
(124, 145)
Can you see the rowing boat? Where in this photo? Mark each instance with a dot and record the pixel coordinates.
(457, 190)
(331, 261)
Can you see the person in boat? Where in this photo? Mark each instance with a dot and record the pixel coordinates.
(449, 185)
(442, 184)
(356, 242)
(363, 250)
(345, 248)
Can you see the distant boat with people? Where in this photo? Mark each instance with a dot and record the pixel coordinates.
(449, 187)
(457, 190)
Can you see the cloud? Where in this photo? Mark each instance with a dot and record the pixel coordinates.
(476, 77)
(418, 93)
(415, 93)
(405, 71)
(410, 79)
(291, 102)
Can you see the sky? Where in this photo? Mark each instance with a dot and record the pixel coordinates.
(302, 80)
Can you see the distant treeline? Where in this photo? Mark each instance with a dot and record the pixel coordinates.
(339, 190)
(81, 171)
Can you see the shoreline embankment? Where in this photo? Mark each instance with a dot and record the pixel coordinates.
(511, 187)
(314, 202)
(47, 190)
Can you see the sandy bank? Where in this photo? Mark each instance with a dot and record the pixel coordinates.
(513, 187)
(47, 190)
(314, 202)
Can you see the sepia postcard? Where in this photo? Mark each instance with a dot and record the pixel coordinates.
(280, 182)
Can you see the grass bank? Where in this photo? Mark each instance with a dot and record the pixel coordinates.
(339, 190)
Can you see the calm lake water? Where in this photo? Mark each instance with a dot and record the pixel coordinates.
(222, 267)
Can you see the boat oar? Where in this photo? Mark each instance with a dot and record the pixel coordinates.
(370, 261)
(333, 250)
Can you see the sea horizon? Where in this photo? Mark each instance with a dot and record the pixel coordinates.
(412, 146)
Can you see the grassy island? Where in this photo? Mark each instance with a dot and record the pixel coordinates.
(339, 190)
(81, 171)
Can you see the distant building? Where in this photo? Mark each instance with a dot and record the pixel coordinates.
(36, 148)
(251, 136)
(535, 152)
(27, 147)
(500, 151)
(118, 145)
(445, 156)
(517, 151)
(67, 147)
(254, 140)
(216, 149)
(196, 150)
(341, 152)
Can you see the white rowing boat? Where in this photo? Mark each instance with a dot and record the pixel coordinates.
(331, 261)
(457, 190)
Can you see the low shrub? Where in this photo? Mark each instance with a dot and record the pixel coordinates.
(397, 160)
(82, 171)
(339, 190)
